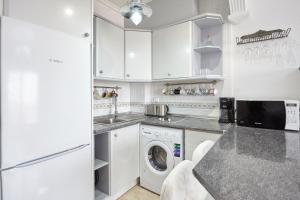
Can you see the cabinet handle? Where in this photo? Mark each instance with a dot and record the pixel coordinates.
(85, 35)
(101, 72)
(128, 75)
(116, 135)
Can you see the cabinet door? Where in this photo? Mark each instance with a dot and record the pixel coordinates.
(109, 50)
(172, 51)
(194, 138)
(138, 55)
(124, 158)
(70, 16)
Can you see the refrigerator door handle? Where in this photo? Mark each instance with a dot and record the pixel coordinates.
(52, 156)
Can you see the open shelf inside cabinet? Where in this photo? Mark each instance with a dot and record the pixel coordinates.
(99, 195)
(101, 166)
(102, 183)
(100, 163)
(101, 142)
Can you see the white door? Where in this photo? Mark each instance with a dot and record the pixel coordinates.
(45, 92)
(124, 157)
(172, 51)
(109, 50)
(138, 59)
(61, 178)
(70, 16)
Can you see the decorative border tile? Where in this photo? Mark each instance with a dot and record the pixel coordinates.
(110, 105)
(207, 105)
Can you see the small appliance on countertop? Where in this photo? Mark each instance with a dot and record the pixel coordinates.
(280, 115)
(158, 110)
(227, 110)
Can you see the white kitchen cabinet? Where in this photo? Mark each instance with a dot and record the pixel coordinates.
(138, 59)
(194, 138)
(71, 16)
(109, 50)
(124, 159)
(172, 52)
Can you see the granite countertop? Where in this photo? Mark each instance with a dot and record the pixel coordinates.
(177, 121)
(252, 164)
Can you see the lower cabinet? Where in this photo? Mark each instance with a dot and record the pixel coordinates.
(124, 159)
(194, 138)
(116, 162)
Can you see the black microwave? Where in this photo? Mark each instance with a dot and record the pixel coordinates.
(280, 115)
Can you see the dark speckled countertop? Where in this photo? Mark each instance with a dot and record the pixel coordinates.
(177, 121)
(252, 164)
(244, 164)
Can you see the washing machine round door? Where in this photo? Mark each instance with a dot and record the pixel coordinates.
(159, 158)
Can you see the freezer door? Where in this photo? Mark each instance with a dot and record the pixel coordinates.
(45, 92)
(65, 177)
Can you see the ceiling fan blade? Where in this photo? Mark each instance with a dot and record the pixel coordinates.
(147, 10)
(125, 11)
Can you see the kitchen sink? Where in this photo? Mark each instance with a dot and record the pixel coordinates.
(108, 121)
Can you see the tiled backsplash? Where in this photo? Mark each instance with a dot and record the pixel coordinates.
(133, 97)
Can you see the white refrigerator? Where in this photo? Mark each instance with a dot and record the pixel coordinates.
(46, 123)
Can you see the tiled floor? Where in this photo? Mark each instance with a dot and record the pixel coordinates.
(139, 193)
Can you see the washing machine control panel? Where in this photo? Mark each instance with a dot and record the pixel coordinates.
(177, 150)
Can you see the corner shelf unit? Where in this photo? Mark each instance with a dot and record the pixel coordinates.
(208, 20)
(207, 42)
(208, 49)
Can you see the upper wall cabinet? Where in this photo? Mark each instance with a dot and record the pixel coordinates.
(109, 50)
(70, 16)
(172, 52)
(138, 59)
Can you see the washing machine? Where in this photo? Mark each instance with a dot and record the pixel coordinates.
(161, 149)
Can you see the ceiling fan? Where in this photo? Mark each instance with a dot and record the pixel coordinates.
(135, 10)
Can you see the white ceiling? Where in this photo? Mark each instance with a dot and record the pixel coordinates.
(120, 3)
(166, 12)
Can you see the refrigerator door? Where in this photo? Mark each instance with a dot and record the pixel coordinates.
(68, 176)
(45, 92)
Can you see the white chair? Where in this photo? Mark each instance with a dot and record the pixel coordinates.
(181, 184)
(201, 150)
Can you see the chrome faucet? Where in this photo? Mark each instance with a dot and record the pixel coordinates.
(115, 98)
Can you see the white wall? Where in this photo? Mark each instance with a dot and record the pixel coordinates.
(1, 7)
(268, 70)
(105, 106)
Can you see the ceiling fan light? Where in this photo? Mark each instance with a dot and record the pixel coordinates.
(136, 17)
(135, 10)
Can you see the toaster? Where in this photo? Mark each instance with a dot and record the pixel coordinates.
(156, 110)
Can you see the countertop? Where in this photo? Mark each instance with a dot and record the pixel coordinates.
(177, 121)
(252, 164)
(244, 164)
